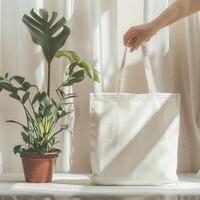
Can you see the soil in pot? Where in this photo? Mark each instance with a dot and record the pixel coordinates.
(39, 168)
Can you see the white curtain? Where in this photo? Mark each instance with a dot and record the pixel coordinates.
(97, 34)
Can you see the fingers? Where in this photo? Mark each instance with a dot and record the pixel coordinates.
(137, 35)
(132, 41)
(128, 35)
(133, 44)
(134, 47)
(137, 44)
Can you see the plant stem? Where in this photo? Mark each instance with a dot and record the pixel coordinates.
(49, 81)
(62, 85)
(30, 118)
(36, 119)
(52, 125)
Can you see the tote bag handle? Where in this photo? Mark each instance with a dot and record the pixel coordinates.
(147, 67)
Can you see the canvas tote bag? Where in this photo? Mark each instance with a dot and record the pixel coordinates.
(134, 137)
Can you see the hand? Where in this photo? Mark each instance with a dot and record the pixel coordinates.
(137, 35)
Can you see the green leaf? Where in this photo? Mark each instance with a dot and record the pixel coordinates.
(34, 22)
(45, 105)
(20, 89)
(25, 137)
(90, 71)
(28, 149)
(25, 97)
(74, 58)
(26, 86)
(44, 14)
(64, 127)
(61, 92)
(42, 96)
(54, 102)
(8, 86)
(21, 149)
(60, 108)
(17, 149)
(19, 79)
(71, 68)
(96, 76)
(52, 141)
(64, 113)
(69, 82)
(5, 85)
(6, 75)
(71, 95)
(88, 68)
(36, 16)
(57, 26)
(36, 97)
(71, 55)
(78, 74)
(15, 96)
(42, 32)
(53, 18)
(26, 129)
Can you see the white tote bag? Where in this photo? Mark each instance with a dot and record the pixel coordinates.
(134, 137)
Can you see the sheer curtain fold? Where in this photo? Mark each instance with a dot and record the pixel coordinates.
(185, 56)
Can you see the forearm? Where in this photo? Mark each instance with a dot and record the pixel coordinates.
(178, 10)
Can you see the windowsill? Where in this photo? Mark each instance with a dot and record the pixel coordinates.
(78, 185)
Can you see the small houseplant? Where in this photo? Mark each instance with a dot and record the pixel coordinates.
(43, 112)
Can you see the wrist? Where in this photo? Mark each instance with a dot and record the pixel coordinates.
(154, 27)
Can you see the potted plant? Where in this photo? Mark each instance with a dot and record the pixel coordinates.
(42, 112)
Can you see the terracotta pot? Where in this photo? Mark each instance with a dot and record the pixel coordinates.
(39, 168)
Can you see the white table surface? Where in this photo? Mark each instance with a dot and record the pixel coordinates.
(78, 185)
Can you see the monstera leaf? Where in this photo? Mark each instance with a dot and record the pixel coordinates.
(49, 35)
